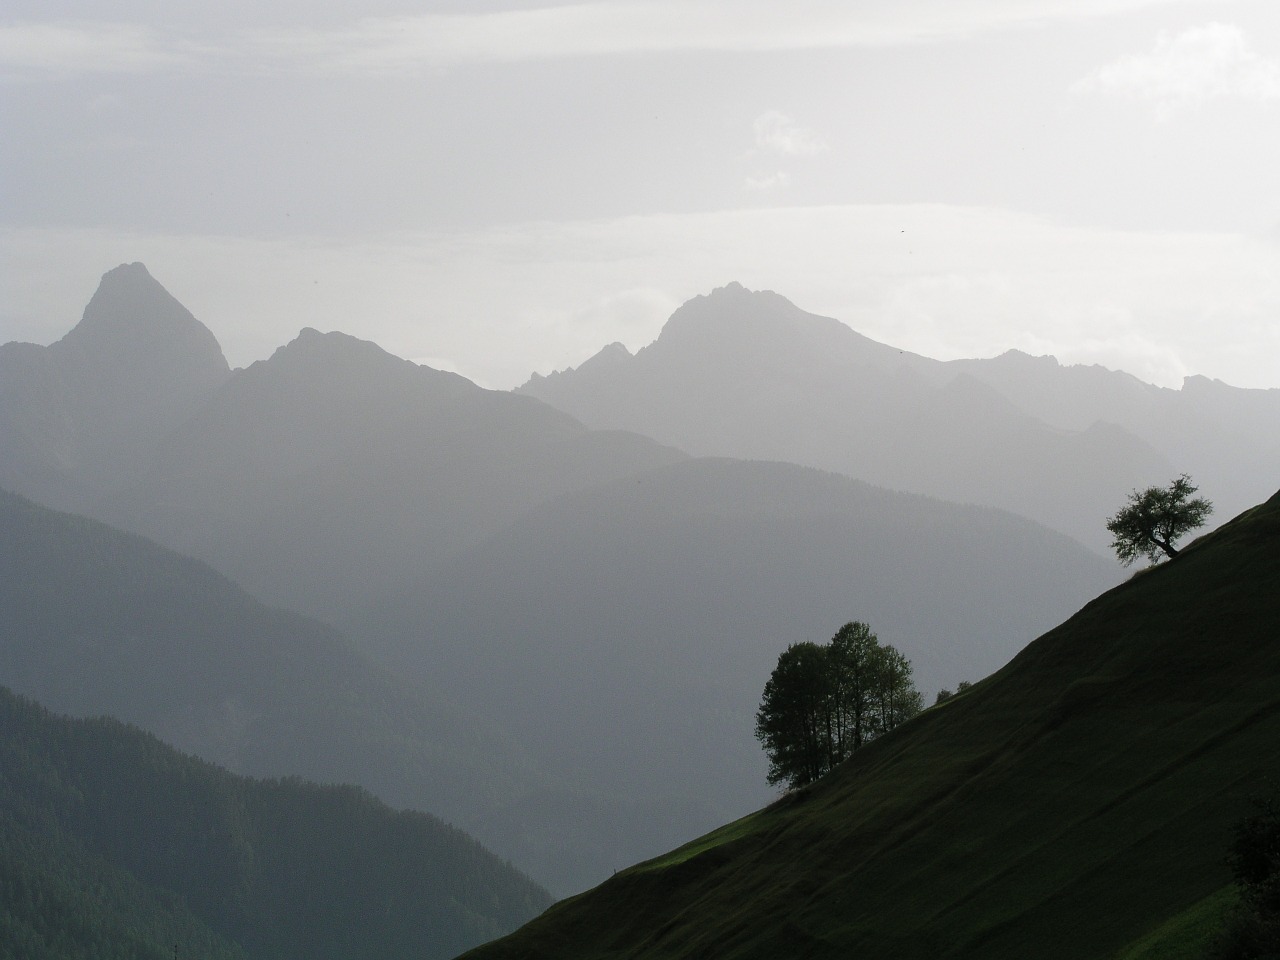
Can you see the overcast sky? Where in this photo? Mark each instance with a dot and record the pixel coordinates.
(504, 187)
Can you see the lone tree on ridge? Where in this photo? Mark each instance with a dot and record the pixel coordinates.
(1155, 518)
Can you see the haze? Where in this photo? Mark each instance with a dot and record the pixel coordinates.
(500, 188)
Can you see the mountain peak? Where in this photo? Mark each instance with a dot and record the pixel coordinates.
(1021, 357)
(335, 364)
(133, 322)
(734, 325)
(610, 357)
(312, 346)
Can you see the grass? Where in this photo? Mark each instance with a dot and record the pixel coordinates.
(1077, 804)
(739, 828)
(1187, 935)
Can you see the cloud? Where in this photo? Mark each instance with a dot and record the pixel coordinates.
(776, 133)
(622, 27)
(409, 44)
(768, 181)
(780, 134)
(1200, 64)
(66, 48)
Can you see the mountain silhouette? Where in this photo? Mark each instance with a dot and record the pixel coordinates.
(748, 374)
(81, 415)
(609, 605)
(1227, 438)
(97, 621)
(333, 470)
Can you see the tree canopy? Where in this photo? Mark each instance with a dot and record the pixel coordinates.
(1154, 519)
(824, 701)
(1252, 929)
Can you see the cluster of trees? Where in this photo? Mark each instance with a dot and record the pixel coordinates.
(824, 701)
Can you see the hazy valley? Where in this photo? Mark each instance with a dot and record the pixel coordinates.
(546, 616)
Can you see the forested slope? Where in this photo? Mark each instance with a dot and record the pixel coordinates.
(115, 845)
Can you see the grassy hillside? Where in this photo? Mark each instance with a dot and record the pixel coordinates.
(1076, 804)
(115, 845)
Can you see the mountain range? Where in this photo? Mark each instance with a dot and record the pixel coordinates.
(746, 373)
(95, 621)
(554, 635)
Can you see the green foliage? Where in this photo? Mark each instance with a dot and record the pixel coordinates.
(1155, 519)
(793, 722)
(1252, 931)
(823, 702)
(113, 844)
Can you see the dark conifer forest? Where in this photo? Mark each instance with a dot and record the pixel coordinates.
(115, 845)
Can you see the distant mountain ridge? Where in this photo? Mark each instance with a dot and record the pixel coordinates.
(113, 844)
(96, 621)
(748, 374)
(362, 467)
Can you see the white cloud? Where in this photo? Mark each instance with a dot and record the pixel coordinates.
(779, 179)
(776, 133)
(780, 134)
(412, 43)
(1197, 65)
(620, 27)
(66, 48)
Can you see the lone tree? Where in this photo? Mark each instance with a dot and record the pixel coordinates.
(824, 701)
(1155, 518)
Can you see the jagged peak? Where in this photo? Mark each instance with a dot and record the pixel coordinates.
(609, 356)
(314, 355)
(735, 292)
(132, 318)
(732, 305)
(1021, 356)
(760, 324)
(1198, 382)
(312, 345)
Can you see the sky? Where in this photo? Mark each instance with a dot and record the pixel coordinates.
(499, 187)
